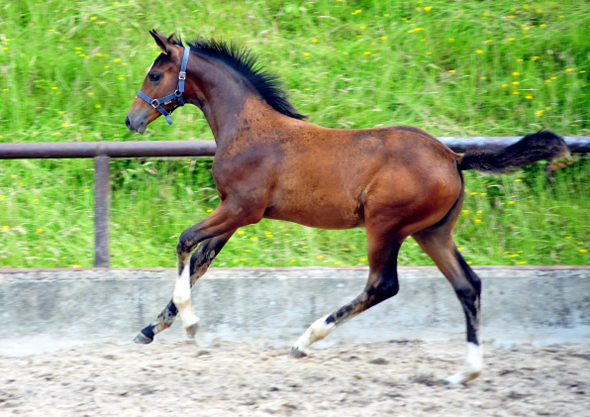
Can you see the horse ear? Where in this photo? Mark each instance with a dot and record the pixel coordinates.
(164, 43)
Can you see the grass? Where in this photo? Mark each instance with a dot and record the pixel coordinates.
(69, 72)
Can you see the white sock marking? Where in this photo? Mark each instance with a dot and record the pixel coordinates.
(317, 331)
(471, 368)
(182, 298)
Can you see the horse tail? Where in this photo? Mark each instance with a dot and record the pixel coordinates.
(543, 145)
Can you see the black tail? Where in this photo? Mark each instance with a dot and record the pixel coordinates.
(544, 145)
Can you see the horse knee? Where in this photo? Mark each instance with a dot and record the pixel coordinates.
(184, 243)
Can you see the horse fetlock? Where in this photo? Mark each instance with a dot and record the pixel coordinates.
(317, 331)
(181, 299)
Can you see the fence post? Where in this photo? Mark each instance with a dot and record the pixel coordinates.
(101, 211)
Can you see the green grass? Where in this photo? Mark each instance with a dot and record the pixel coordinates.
(69, 72)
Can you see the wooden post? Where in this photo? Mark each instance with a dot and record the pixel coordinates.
(102, 192)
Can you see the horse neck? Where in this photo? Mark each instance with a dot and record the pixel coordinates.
(225, 95)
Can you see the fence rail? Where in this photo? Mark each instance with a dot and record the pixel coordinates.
(578, 144)
(103, 151)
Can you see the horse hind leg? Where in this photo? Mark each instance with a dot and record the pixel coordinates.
(382, 284)
(199, 263)
(438, 243)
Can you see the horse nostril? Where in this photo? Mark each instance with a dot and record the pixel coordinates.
(127, 122)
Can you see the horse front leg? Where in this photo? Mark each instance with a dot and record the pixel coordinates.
(227, 217)
(200, 261)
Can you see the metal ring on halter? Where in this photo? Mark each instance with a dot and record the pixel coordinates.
(177, 94)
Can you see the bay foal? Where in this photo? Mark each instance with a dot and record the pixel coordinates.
(270, 163)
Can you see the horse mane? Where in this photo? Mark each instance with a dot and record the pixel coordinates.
(243, 61)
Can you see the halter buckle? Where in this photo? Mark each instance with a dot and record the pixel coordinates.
(155, 104)
(182, 75)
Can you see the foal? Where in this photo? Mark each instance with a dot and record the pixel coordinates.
(395, 182)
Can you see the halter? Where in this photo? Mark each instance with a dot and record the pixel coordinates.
(157, 103)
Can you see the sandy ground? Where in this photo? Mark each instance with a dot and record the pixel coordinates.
(401, 378)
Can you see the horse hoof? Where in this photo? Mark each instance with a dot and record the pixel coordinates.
(142, 339)
(192, 330)
(462, 378)
(297, 354)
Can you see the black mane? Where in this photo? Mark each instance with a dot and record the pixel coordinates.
(244, 62)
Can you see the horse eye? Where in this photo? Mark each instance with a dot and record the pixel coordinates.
(154, 77)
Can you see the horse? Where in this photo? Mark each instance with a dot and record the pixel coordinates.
(396, 181)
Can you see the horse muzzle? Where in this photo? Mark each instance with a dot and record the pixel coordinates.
(136, 122)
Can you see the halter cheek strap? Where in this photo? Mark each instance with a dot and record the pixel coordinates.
(178, 94)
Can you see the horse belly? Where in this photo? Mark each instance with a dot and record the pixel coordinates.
(319, 211)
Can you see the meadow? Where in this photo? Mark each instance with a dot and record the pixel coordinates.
(69, 71)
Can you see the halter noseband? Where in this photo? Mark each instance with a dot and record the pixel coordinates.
(157, 103)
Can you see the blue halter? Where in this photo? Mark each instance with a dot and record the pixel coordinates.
(157, 103)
